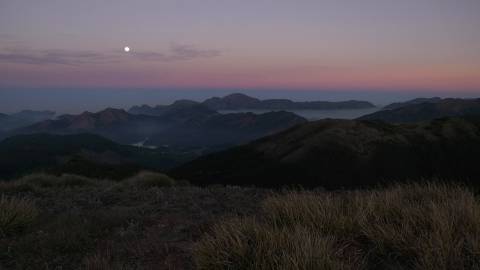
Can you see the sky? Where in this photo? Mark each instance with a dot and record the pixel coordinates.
(298, 45)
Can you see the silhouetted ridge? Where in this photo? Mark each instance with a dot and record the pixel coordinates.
(397, 105)
(240, 101)
(428, 110)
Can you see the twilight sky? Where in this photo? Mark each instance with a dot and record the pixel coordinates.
(252, 44)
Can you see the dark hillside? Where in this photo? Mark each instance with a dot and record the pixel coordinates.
(427, 110)
(346, 154)
(83, 154)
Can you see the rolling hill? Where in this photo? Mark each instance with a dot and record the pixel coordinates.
(115, 124)
(415, 101)
(426, 111)
(83, 154)
(346, 154)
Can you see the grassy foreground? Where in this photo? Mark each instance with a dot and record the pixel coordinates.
(151, 221)
(403, 227)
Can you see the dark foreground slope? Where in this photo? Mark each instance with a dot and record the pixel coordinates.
(426, 109)
(417, 227)
(83, 154)
(346, 153)
(81, 223)
(73, 222)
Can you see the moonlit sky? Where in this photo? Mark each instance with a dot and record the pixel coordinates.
(385, 46)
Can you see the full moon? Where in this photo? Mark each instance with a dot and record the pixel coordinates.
(126, 49)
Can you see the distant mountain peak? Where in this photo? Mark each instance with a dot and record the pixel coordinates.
(232, 101)
(239, 96)
(110, 115)
(183, 110)
(238, 101)
(113, 110)
(184, 102)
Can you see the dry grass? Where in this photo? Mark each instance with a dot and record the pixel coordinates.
(15, 214)
(114, 224)
(86, 223)
(403, 227)
(33, 182)
(248, 244)
(100, 261)
(146, 180)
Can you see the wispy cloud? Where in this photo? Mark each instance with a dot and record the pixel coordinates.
(69, 57)
(177, 53)
(61, 57)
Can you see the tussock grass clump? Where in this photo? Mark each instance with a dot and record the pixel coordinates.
(72, 180)
(39, 182)
(248, 244)
(146, 180)
(15, 214)
(403, 227)
(99, 262)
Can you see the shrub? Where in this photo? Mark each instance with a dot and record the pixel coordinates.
(148, 179)
(15, 187)
(72, 180)
(52, 181)
(15, 214)
(403, 227)
(39, 179)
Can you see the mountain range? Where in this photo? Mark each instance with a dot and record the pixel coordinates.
(239, 101)
(409, 140)
(181, 124)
